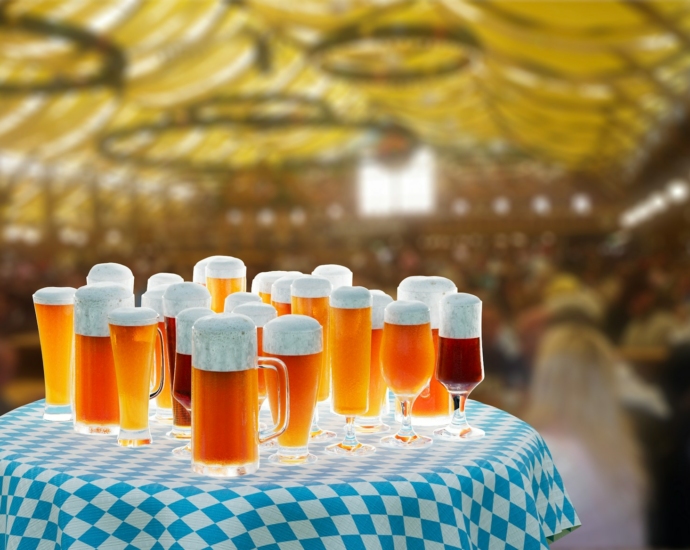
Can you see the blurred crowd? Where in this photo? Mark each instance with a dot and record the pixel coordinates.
(591, 348)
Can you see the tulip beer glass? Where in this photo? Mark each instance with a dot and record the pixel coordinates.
(224, 275)
(349, 344)
(460, 367)
(297, 340)
(407, 358)
(225, 415)
(310, 297)
(55, 316)
(133, 334)
(96, 401)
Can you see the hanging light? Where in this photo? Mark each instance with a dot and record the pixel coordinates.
(581, 204)
(541, 205)
(501, 206)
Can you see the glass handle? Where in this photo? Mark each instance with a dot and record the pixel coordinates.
(162, 377)
(283, 397)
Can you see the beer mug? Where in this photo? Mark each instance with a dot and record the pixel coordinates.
(199, 273)
(96, 402)
(281, 296)
(161, 279)
(55, 316)
(133, 332)
(153, 298)
(338, 275)
(111, 273)
(225, 434)
(263, 282)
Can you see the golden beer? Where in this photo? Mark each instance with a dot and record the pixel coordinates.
(55, 317)
(296, 340)
(281, 297)
(349, 344)
(263, 282)
(96, 402)
(224, 276)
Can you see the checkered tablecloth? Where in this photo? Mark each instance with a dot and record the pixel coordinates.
(64, 490)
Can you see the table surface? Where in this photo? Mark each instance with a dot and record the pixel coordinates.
(61, 489)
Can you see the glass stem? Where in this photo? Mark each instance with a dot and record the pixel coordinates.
(459, 421)
(350, 439)
(406, 411)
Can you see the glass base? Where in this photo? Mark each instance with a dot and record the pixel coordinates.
(359, 449)
(321, 435)
(177, 434)
(225, 470)
(96, 429)
(292, 460)
(57, 413)
(407, 442)
(182, 453)
(467, 434)
(134, 438)
(364, 428)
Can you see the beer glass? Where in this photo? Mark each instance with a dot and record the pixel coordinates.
(111, 273)
(407, 358)
(237, 298)
(161, 279)
(372, 421)
(338, 275)
(264, 281)
(349, 345)
(281, 299)
(182, 385)
(96, 402)
(224, 276)
(225, 410)
(434, 406)
(133, 334)
(178, 297)
(154, 299)
(199, 273)
(296, 340)
(55, 317)
(310, 297)
(460, 367)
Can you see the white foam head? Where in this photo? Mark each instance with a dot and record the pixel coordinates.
(111, 273)
(184, 295)
(160, 279)
(429, 290)
(338, 275)
(154, 299)
(199, 274)
(226, 267)
(185, 320)
(281, 290)
(55, 296)
(293, 335)
(258, 312)
(93, 303)
(133, 317)
(461, 316)
(405, 312)
(350, 297)
(379, 302)
(264, 281)
(225, 342)
(311, 286)
(237, 298)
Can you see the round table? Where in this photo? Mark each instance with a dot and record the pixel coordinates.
(65, 490)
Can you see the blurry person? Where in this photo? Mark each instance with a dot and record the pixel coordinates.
(575, 407)
(8, 365)
(500, 347)
(652, 324)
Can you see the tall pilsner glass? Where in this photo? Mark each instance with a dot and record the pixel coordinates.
(96, 401)
(349, 342)
(407, 357)
(460, 367)
(224, 276)
(55, 316)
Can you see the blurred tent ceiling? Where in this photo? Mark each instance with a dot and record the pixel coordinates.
(155, 92)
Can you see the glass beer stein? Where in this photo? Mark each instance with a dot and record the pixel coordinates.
(133, 334)
(154, 299)
(162, 279)
(338, 275)
(281, 298)
(225, 433)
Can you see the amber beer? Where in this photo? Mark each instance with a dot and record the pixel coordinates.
(134, 334)
(434, 406)
(96, 402)
(460, 367)
(224, 275)
(281, 297)
(111, 273)
(225, 410)
(371, 421)
(237, 298)
(297, 340)
(338, 275)
(310, 295)
(55, 317)
(176, 298)
(349, 344)
(407, 358)
(154, 299)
